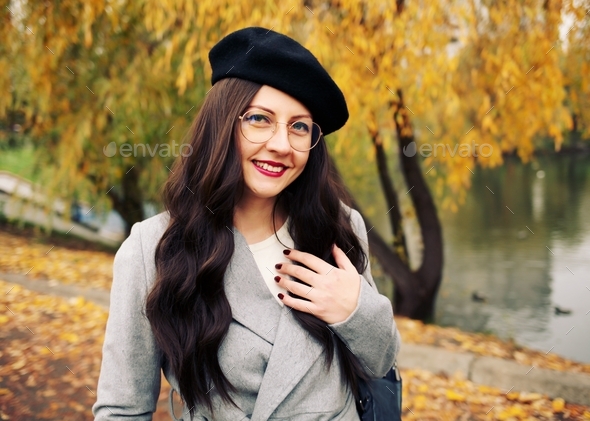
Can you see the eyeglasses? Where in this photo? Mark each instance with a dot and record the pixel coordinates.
(259, 126)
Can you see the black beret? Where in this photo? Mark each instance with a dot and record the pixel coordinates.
(269, 58)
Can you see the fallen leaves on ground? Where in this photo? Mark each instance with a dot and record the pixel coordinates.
(51, 353)
(85, 268)
(50, 356)
(453, 339)
(438, 398)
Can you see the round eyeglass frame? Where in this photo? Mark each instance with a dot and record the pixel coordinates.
(273, 132)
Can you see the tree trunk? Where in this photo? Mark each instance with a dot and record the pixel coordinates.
(418, 301)
(129, 202)
(413, 295)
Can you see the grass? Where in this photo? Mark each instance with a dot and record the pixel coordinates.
(20, 162)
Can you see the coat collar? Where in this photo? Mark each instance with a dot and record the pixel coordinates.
(253, 306)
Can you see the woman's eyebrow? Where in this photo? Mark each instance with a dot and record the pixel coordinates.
(268, 110)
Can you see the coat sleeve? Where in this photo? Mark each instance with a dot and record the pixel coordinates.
(129, 382)
(370, 331)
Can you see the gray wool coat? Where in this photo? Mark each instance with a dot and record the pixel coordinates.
(277, 368)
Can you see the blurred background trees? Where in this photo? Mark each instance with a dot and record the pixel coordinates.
(81, 79)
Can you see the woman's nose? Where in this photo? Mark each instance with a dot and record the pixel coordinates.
(279, 142)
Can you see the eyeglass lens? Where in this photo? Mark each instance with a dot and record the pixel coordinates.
(258, 126)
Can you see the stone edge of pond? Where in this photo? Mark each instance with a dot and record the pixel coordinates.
(506, 375)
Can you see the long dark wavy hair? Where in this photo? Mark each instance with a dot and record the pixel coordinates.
(187, 308)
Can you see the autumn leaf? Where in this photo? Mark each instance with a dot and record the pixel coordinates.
(454, 396)
(558, 405)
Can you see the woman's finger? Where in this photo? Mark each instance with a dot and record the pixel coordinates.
(303, 274)
(312, 262)
(342, 259)
(294, 287)
(297, 304)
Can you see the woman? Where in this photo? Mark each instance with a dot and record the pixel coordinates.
(252, 292)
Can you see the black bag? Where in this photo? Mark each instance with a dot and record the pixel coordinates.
(381, 399)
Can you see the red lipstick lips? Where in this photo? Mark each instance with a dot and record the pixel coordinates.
(270, 173)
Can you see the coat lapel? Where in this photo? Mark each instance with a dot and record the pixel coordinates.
(252, 304)
(292, 355)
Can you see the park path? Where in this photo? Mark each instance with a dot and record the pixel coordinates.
(97, 296)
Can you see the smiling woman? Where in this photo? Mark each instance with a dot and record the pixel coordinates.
(253, 291)
(271, 165)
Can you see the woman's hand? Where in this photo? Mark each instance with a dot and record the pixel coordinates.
(333, 291)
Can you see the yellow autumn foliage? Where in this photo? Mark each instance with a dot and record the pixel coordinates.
(85, 74)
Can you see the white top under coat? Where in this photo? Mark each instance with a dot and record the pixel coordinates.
(267, 253)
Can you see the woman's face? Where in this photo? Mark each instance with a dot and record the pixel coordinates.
(270, 167)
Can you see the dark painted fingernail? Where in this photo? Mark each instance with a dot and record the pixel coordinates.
(278, 265)
(277, 278)
(286, 252)
(281, 296)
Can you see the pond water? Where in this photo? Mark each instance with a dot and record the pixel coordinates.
(522, 242)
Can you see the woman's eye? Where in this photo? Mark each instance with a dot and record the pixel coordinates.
(258, 119)
(300, 127)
